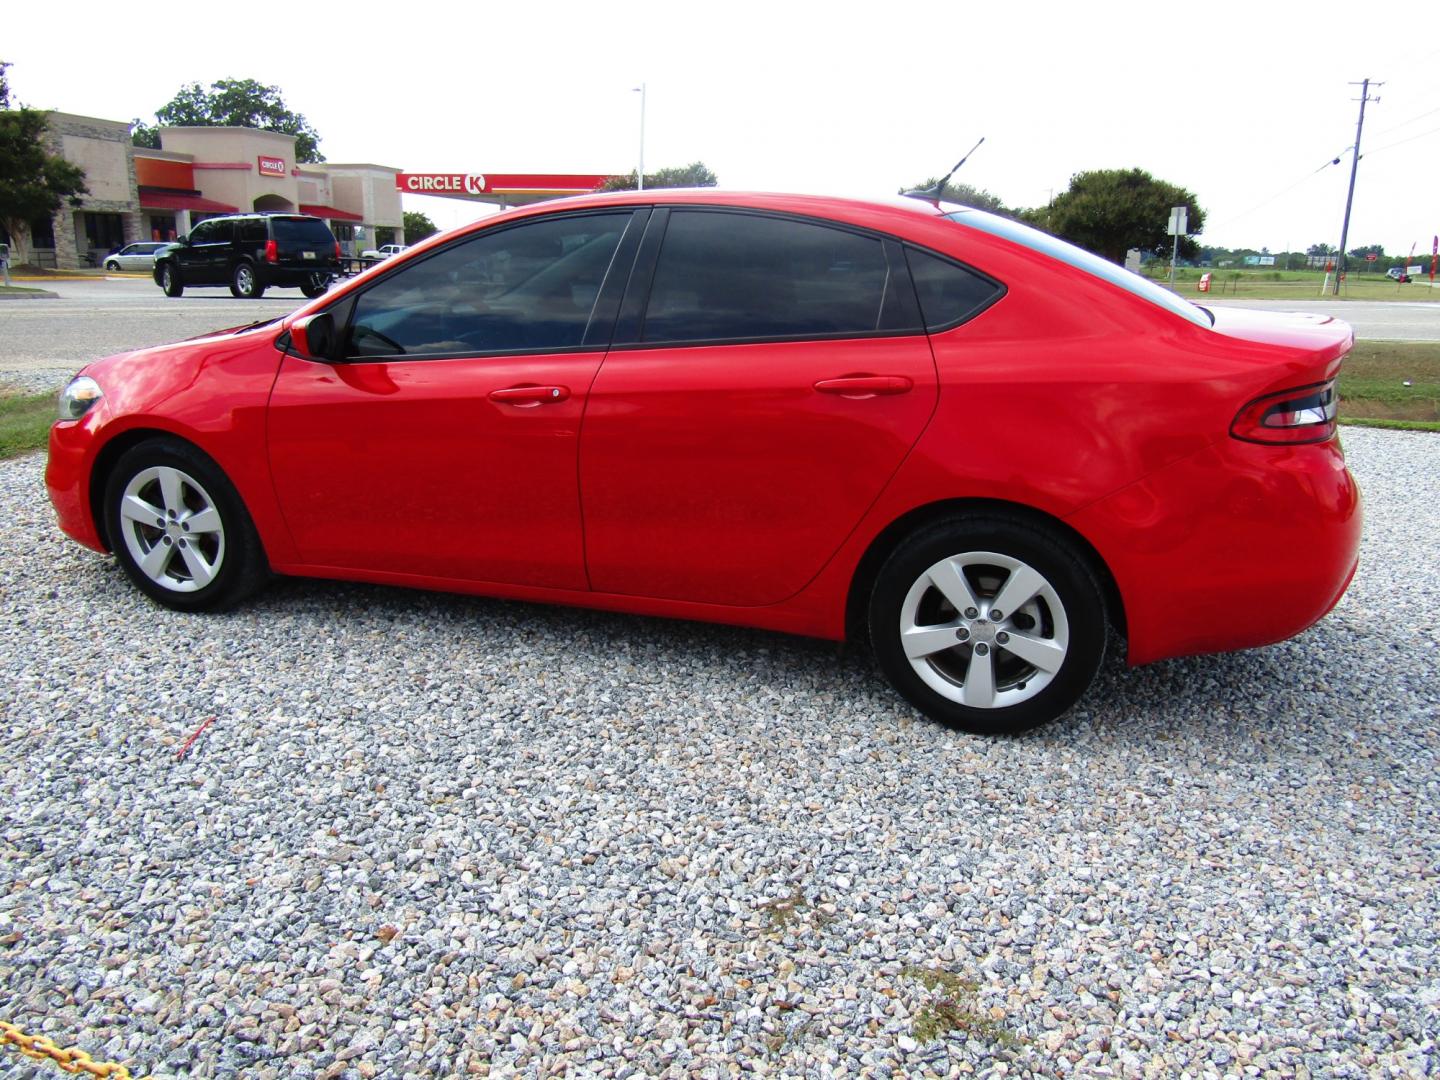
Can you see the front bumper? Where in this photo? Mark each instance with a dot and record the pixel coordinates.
(67, 480)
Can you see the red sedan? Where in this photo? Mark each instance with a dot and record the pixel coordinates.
(928, 426)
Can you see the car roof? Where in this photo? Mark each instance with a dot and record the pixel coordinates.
(833, 206)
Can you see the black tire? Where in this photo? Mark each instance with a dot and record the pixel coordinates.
(245, 282)
(237, 560)
(113, 266)
(316, 286)
(981, 547)
(170, 279)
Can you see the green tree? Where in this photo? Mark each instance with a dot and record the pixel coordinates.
(232, 103)
(33, 182)
(418, 227)
(1320, 249)
(696, 174)
(965, 195)
(1109, 211)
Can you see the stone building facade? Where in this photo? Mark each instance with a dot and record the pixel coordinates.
(110, 214)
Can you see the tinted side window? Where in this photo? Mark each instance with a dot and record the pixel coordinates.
(203, 233)
(949, 293)
(253, 231)
(529, 287)
(728, 276)
(224, 231)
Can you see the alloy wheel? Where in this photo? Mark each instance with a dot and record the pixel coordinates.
(172, 529)
(984, 630)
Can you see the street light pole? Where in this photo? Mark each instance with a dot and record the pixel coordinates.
(640, 176)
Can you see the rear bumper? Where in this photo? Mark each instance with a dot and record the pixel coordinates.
(1238, 546)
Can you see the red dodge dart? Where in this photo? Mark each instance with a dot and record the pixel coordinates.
(972, 444)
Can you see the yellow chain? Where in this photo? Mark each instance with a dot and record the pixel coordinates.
(73, 1060)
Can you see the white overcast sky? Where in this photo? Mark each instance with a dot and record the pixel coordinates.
(1239, 102)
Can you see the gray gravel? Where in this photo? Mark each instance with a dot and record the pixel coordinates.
(431, 837)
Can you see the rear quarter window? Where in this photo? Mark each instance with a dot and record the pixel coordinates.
(949, 293)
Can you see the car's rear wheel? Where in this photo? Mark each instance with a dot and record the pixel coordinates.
(179, 529)
(991, 624)
(244, 282)
(316, 285)
(170, 280)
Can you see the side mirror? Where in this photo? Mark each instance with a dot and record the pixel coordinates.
(313, 337)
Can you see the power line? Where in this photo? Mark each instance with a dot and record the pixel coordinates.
(1285, 191)
(1402, 142)
(1407, 123)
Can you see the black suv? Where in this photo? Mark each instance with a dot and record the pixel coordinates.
(250, 253)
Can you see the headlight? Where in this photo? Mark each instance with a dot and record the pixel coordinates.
(77, 398)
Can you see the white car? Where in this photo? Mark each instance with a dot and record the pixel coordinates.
(385, 251)
(134, 256)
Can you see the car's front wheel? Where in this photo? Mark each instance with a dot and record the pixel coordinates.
(112, 265)
(991, 624)
(244, 282)
(170, 280)
(179, 529)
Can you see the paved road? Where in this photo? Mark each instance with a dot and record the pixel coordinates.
(1399, 320)
(43, 341)
(49, 339)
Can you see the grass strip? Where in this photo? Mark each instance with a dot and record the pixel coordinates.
(25, 421)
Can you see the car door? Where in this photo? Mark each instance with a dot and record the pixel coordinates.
(441, 442)
(191, 255)
(745, 420)
(206, 259)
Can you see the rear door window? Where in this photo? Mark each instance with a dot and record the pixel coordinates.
(531, 287)
(730, 276)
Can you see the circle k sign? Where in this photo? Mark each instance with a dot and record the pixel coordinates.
(441, 183)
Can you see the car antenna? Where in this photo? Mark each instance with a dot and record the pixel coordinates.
(933, 193)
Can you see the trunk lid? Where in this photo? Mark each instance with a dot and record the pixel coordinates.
(302, 242)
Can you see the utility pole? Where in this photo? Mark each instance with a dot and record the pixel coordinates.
(1354, 165)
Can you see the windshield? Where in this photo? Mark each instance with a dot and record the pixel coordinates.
(1081, 260)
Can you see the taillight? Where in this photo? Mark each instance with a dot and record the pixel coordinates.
(337, 250)
(272, 251)
(1305, 414)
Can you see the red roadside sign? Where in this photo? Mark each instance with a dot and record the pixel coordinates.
(1371, 257)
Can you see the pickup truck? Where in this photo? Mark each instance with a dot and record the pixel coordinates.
(384, 252)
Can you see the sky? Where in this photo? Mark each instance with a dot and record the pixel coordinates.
(1244, 104)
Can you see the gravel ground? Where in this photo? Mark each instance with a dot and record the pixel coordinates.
(430, 837)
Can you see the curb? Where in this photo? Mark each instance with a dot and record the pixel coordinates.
(35, 294)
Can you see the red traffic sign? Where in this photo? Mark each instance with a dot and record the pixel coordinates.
(1371, 257)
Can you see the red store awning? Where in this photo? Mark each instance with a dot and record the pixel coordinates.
(164, 200)
(329, 212)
